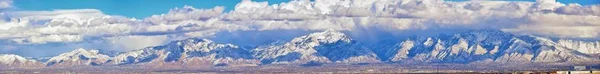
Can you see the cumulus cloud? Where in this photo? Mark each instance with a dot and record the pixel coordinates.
(186, 13)
(49, 38)
(576, 9)
(136, 42)
(544, 17)
(85, 25)
(38, 27)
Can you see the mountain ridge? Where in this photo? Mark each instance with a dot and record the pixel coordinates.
(325, 47)
(332, 46)
(480, 46)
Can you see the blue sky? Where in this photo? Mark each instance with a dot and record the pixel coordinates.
(129, 8)
(582, 2)
(145, 8)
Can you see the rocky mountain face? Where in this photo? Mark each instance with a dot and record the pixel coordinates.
(335, 47)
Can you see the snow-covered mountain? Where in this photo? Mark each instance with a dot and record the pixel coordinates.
(188, 52)
(335, 47)
(12, 60)
(78, 57)
(325, 47)
(492, 46)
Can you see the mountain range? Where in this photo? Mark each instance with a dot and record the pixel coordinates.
(335, 47)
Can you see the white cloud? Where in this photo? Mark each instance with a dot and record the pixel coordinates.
(186, 13)
(49, 38)
(136, 42)
(544, 17)
(62, 25)
(540, 18)
(67, 14)
(576, 9)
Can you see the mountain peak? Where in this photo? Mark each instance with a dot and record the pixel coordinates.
(199, 44)
(77, 55)
(9, 58)
(326, 46)
(81, 51)
(328, 36)
(11, 55)
(13, 60)
(200, 40)
(331, 30)
(188, 51)
(192, 40)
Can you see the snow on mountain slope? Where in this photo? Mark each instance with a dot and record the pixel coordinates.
(581, 46)
(78, 57)
(335, 47)
(189, 52)
(325, 47)
(12, 60)
(483, 45)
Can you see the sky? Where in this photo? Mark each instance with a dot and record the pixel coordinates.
(129, 8)
(581, 2)
(49, 27)
(146, 8)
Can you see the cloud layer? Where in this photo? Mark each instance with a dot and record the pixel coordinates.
(363, 17)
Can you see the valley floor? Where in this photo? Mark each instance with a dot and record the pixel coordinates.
(325, 68)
